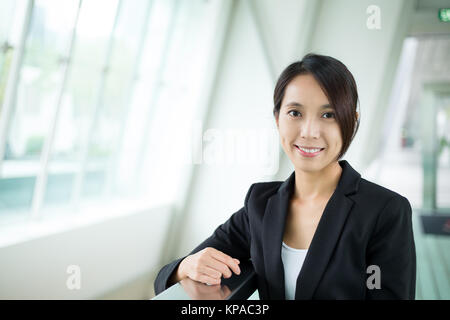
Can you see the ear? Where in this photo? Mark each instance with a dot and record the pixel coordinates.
(357, 116)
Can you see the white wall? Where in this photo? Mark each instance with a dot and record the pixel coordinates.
(110, 254)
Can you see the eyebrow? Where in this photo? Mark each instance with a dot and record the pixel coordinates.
(296, 104)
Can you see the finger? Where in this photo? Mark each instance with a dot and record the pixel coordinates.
(204, 278)
(210, 272)
(227, 264)
(219, 266)
(208, 280)
(229, 261)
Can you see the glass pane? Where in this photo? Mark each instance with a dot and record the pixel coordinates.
(178, 97)
(11, 21)
(45, 46)
(40, 77)
(16, 195)
(115, 96)
(80, 98)
(443, 160)
(81, 93)
(7, 9)
(143, 93)
(11, 24)
(15, 192)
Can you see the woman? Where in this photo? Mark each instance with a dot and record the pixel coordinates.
(325, 232)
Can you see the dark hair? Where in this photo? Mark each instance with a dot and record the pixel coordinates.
(338, 85)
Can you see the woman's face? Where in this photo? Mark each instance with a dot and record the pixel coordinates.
(306, 121)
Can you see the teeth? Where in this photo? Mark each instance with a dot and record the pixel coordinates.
(309, 150)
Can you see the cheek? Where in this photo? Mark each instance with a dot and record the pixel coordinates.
(285, 136)
(337, 138)
(284, 130)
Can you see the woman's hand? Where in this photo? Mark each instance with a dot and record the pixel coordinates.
(208, 266)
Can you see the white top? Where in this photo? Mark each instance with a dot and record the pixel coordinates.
(292, 261)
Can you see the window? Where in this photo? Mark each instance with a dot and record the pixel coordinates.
(97, 102)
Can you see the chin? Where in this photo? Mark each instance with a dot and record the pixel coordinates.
(311, 166)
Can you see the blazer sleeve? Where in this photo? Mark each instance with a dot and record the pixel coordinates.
(392, 249)
(232, 237)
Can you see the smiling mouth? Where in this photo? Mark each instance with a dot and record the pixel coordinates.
(309, 151)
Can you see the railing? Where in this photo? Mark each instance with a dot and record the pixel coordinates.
(237, 287)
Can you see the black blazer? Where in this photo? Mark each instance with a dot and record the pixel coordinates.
(363, 224)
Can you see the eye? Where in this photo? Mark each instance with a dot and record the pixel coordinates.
(296, 112)
(330, 115)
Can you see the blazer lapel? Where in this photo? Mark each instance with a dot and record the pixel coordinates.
(324, 240)
(273, 229)
(322, 245)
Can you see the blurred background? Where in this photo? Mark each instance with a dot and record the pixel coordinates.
(130, 129)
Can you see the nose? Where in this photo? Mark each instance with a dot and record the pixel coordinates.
(310, 129)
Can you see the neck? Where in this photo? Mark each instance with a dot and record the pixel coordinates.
(318, 184)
